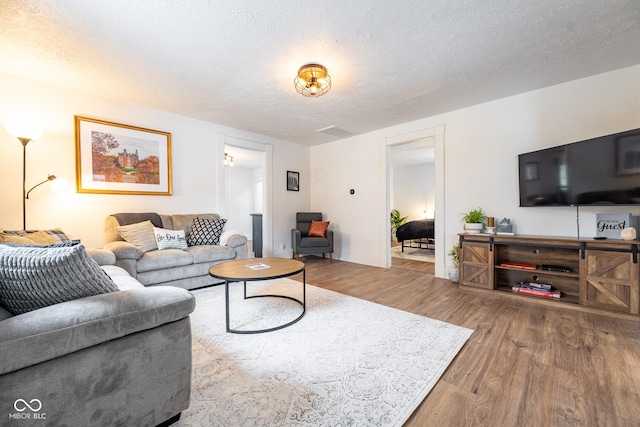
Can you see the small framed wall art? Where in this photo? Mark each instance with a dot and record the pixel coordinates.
(113, 158)
(293, 181)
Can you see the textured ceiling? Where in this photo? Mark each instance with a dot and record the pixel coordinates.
(233, 62)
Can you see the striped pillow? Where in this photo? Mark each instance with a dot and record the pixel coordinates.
(140, 235)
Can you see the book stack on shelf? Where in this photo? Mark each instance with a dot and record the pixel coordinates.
(522, 265)
(537, 290)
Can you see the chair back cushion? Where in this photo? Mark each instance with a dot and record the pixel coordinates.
(303, 221)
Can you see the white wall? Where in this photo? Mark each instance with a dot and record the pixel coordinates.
(414, 190)
(197, 152)
(479, 163)
(481, 144)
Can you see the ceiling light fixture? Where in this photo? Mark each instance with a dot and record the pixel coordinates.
(312, 80)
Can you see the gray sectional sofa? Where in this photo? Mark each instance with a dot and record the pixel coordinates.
(188, 268)
(121, 358)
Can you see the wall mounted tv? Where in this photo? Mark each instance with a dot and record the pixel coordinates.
(598, 171)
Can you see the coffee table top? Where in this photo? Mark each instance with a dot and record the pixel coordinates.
(240, 269)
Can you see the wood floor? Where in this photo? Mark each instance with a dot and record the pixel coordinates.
(526, 364)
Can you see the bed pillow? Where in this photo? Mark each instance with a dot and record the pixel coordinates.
(205, 231)
(170, 239)
(35, 277)
(140, 235)
(318, 228)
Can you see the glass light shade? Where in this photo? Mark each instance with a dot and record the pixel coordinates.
(23, 130)
(58, 184)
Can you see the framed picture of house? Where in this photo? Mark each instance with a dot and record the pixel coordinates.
(293, 181)
(628, 154)
(113, 158)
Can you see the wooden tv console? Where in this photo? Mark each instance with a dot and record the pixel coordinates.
(602, 274)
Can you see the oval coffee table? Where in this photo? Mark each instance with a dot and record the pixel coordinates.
(250, 270)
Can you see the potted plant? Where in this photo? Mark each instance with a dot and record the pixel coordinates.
(474, 220)
(396, 220)
(454, 272)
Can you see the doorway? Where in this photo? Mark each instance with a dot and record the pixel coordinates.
(435, 136)
(246, 182)
(412, 195)
(244, 192)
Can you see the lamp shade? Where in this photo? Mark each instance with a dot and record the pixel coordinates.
(23, 130)
(58, 184)
(313, 80)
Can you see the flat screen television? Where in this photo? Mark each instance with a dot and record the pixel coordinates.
(597, 171)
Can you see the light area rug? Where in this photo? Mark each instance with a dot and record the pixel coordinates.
(347, 362)
(416, 254)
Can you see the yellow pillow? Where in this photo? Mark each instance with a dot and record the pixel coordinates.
(36, 238)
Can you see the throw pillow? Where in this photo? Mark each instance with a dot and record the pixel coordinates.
(33, 238)
(205, 231)
(37, 277)
(140, 235)
(170, 239)
(318, 228)
(55, 235)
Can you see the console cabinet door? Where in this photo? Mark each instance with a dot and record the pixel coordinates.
(476, 265)
(610, 280)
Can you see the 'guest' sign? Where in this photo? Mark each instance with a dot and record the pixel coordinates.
(611, 224)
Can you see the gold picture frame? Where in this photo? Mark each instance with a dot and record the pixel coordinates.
(114, 158)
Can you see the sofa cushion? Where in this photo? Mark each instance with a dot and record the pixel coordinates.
(159, 260)
(121, 278)
(62, 329)
(315, 242)
(136, 217)
(205, 231)
(36, 277)
(140, 235)
(211, 253)
(169, 239)
(184, 221)
(4, 313)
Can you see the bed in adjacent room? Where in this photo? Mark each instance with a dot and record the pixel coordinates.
(416, 234)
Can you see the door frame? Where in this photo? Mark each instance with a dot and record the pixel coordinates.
(267, 186)
(437, 134)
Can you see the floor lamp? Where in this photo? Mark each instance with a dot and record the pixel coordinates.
(25, 133)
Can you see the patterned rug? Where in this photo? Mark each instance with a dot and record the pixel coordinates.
(347, 362)
(416, 254)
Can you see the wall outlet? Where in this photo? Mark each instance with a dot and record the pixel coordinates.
(283, 246)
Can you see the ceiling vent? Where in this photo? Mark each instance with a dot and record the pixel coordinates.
(334, 130)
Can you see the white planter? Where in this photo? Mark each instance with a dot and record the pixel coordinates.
(454, 274)
(473, 227)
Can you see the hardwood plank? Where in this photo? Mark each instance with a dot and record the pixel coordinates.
(526, 364)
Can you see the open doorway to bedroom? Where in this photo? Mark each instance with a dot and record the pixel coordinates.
(412, 200)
